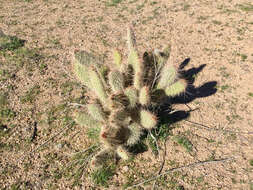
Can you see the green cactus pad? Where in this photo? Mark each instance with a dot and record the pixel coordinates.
(95, 110)
(97, 85)
(132, 95)
(176, 88)
(114, 135)
(118, 116)
(82, 74)
(135, 134)
(85, 119)
(168, 76)
(144, 96)
(161, 57)
(86, 58)
(137, 65)
(166, 51)
(118, 101)
(117, 59)
(138, 83)
(123, 153)
(131, 42)
(116, 80)
(82, 61)
(133, 60)
(148, 120)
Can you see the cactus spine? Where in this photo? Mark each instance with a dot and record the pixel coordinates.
(124, 96)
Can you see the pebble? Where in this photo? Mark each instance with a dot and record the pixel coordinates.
(59, 146)
(125, 169)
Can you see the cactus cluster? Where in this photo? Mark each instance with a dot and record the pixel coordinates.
(123, 95)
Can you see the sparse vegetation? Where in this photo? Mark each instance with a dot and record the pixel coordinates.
(103, 175)
(250, 94)
(244, 57)
(184, 141)
(224, 87)
(10, 42)
(217, 22)
(31, 94)
(114, 2)
(3, 99)
(246, 7)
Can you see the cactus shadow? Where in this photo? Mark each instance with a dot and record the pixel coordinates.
(10, 42)
(167, 116)
(193, 92)
(139, 147)
(184, 63)
(171, 118)
(163, 129)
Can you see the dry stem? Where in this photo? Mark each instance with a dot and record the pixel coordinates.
(180, 168)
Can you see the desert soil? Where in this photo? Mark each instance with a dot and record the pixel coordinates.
(213, 40)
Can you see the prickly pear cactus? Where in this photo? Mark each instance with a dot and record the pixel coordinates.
(124, 96)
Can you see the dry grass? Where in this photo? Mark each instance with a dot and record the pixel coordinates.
(39, 142)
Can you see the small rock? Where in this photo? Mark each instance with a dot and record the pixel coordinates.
(125, 169)
(59, 146)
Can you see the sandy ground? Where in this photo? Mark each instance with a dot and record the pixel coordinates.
(214, 38)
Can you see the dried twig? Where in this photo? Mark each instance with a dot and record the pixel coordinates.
(180, 168)
(209, 128)
(76, 104)
(164, 156)
(156, 144)
(35, 130)
(157, 72)
(189, 107)
(85, 163)
(224, 130)
(78, 160)
(85, 150)
(162, 165)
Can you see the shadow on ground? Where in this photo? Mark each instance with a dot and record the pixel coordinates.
(193, 92)
(167, 116)
(10, 42)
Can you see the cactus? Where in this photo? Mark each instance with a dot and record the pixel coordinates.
(124, 98)
(144, 96)
(147, 119)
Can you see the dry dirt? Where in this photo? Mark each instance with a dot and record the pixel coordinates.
(213, 39)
